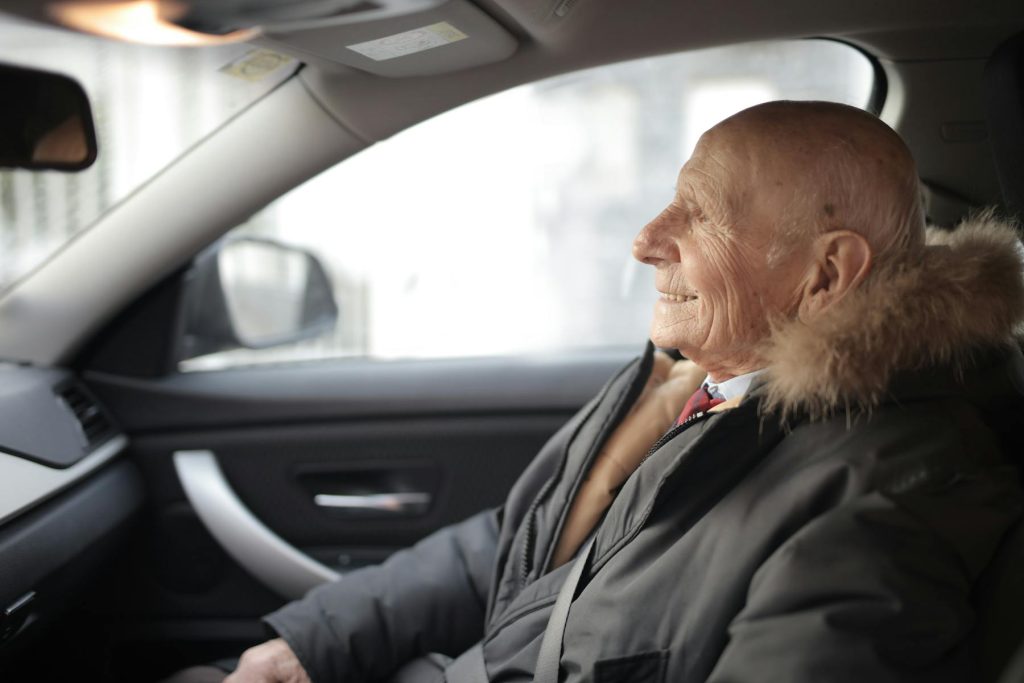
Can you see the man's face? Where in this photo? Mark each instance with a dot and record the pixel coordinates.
(710, 248)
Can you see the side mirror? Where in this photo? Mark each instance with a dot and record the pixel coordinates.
(254, 293)
(45, 121)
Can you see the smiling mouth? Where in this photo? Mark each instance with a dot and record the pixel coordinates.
(678, 298)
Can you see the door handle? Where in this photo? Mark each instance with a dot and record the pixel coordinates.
(399, 503)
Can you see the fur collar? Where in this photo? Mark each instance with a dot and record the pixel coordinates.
(965, 292)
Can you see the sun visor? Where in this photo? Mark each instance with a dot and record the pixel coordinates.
(450, 37)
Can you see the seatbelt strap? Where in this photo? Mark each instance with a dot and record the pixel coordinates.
(467, 667)
(550, 656)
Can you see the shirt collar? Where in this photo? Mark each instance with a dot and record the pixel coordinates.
(731, 388)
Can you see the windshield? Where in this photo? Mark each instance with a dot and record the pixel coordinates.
(149, 105)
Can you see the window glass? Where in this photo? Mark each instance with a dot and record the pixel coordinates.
(149, 105)
(504, 226)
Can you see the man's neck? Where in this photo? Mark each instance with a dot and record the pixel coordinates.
(724, 368)
(719, 375)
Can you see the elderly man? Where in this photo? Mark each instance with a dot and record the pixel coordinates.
(809, 497)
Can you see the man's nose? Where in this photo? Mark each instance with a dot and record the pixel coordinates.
(654, 245)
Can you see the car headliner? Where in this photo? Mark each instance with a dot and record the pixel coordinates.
(932, 52)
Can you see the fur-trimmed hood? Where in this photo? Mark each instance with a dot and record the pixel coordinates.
(963, 293)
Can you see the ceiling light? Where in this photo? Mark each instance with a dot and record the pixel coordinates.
(138, 21)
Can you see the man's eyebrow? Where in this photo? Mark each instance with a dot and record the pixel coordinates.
(685, 188)
(692, 188)
(706, 193)
(678, 186)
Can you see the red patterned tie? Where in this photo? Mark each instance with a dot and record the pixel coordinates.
(701, 402)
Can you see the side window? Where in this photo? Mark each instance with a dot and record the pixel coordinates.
(504, 226)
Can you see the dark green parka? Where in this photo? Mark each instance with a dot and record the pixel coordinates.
(829, 528)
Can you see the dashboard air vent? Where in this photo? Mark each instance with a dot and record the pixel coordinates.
(96, 426)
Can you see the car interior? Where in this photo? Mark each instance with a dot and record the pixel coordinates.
(149, 515)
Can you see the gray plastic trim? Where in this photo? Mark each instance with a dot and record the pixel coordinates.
(261, 552)
(354, 389)
(25, 484)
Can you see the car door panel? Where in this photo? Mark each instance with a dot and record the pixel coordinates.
(454, 432)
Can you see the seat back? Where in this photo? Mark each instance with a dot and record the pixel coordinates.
(999, 600)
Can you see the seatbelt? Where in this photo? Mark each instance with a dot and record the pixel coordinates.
(550, 655)
(469, 666)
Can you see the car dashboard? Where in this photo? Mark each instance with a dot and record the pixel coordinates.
(65, 496)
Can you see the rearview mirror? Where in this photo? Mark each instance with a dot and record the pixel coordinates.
(45, 121)
(254, 293)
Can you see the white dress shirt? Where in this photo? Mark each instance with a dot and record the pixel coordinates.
(731, 388)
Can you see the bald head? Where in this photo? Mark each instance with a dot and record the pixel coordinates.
(781, 211)
(820, 166)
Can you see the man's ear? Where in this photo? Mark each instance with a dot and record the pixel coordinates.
(841, 260)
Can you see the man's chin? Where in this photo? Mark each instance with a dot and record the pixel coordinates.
(672, 341)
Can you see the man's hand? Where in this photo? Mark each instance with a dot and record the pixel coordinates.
(271, 662)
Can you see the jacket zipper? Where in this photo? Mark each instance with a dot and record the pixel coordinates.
(524, 560)
(529, 539)
(665, 438)
(675, 431)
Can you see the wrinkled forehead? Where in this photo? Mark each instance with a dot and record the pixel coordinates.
(724, 166)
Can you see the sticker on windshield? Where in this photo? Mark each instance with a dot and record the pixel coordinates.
(255, 65)
(409, 42)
